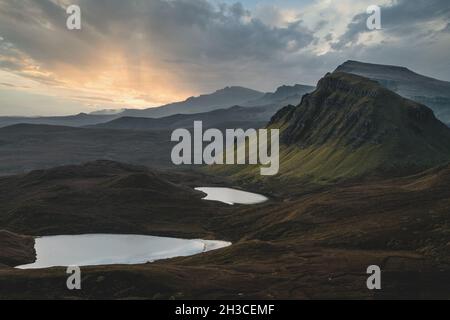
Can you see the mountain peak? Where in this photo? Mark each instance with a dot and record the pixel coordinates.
(429, 91)
(286, 90)
(350, 83)
(354, 110)
(284, 95)
(351, 125)
(351, 65)
(234, 90)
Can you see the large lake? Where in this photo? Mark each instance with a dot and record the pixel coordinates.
(106, 249)
(232, 196)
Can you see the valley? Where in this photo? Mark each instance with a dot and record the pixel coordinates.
(316, 245)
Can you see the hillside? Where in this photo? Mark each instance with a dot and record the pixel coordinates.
(431, 92)
(15, 249)
(315, 245)
(104, 197)
(352, 126)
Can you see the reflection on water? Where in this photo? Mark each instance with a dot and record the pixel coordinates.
(232, 196)
(104, 249)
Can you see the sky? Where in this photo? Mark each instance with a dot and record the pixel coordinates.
(146, 53)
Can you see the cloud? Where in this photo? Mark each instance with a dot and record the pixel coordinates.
(402, 18)
(140, 53)
(140, 40)
(191, 29)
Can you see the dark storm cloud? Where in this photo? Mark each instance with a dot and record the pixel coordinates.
(404, 17)
(36, 29)
(194, 28)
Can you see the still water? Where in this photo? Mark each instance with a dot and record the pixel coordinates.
(107, 249)
(232, 196)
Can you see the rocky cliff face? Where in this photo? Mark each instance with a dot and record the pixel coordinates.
(351, 126)
(349, 110)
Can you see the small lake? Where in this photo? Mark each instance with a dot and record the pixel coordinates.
(105, 249)
(232, 196)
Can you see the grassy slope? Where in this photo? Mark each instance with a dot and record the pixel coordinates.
(355, 129)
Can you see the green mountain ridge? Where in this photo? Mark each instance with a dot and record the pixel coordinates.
(351, 126)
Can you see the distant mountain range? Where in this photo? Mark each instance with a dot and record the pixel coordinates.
(249, 114)
(352, 126)
(348, 126)
(221, 99)
(25, 147)
(107, 112)
(79, 120)
(431, 92)
(234, 117)
(284, 95)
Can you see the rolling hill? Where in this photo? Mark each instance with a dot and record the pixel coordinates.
(103, 196)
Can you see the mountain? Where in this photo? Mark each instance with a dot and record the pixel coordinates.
(26, 147)
(431, 92)
(283, 96)
(234, 117)
(220, 99)
(78, 120)
(107, 112)
(352, 126)
(254, 114)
